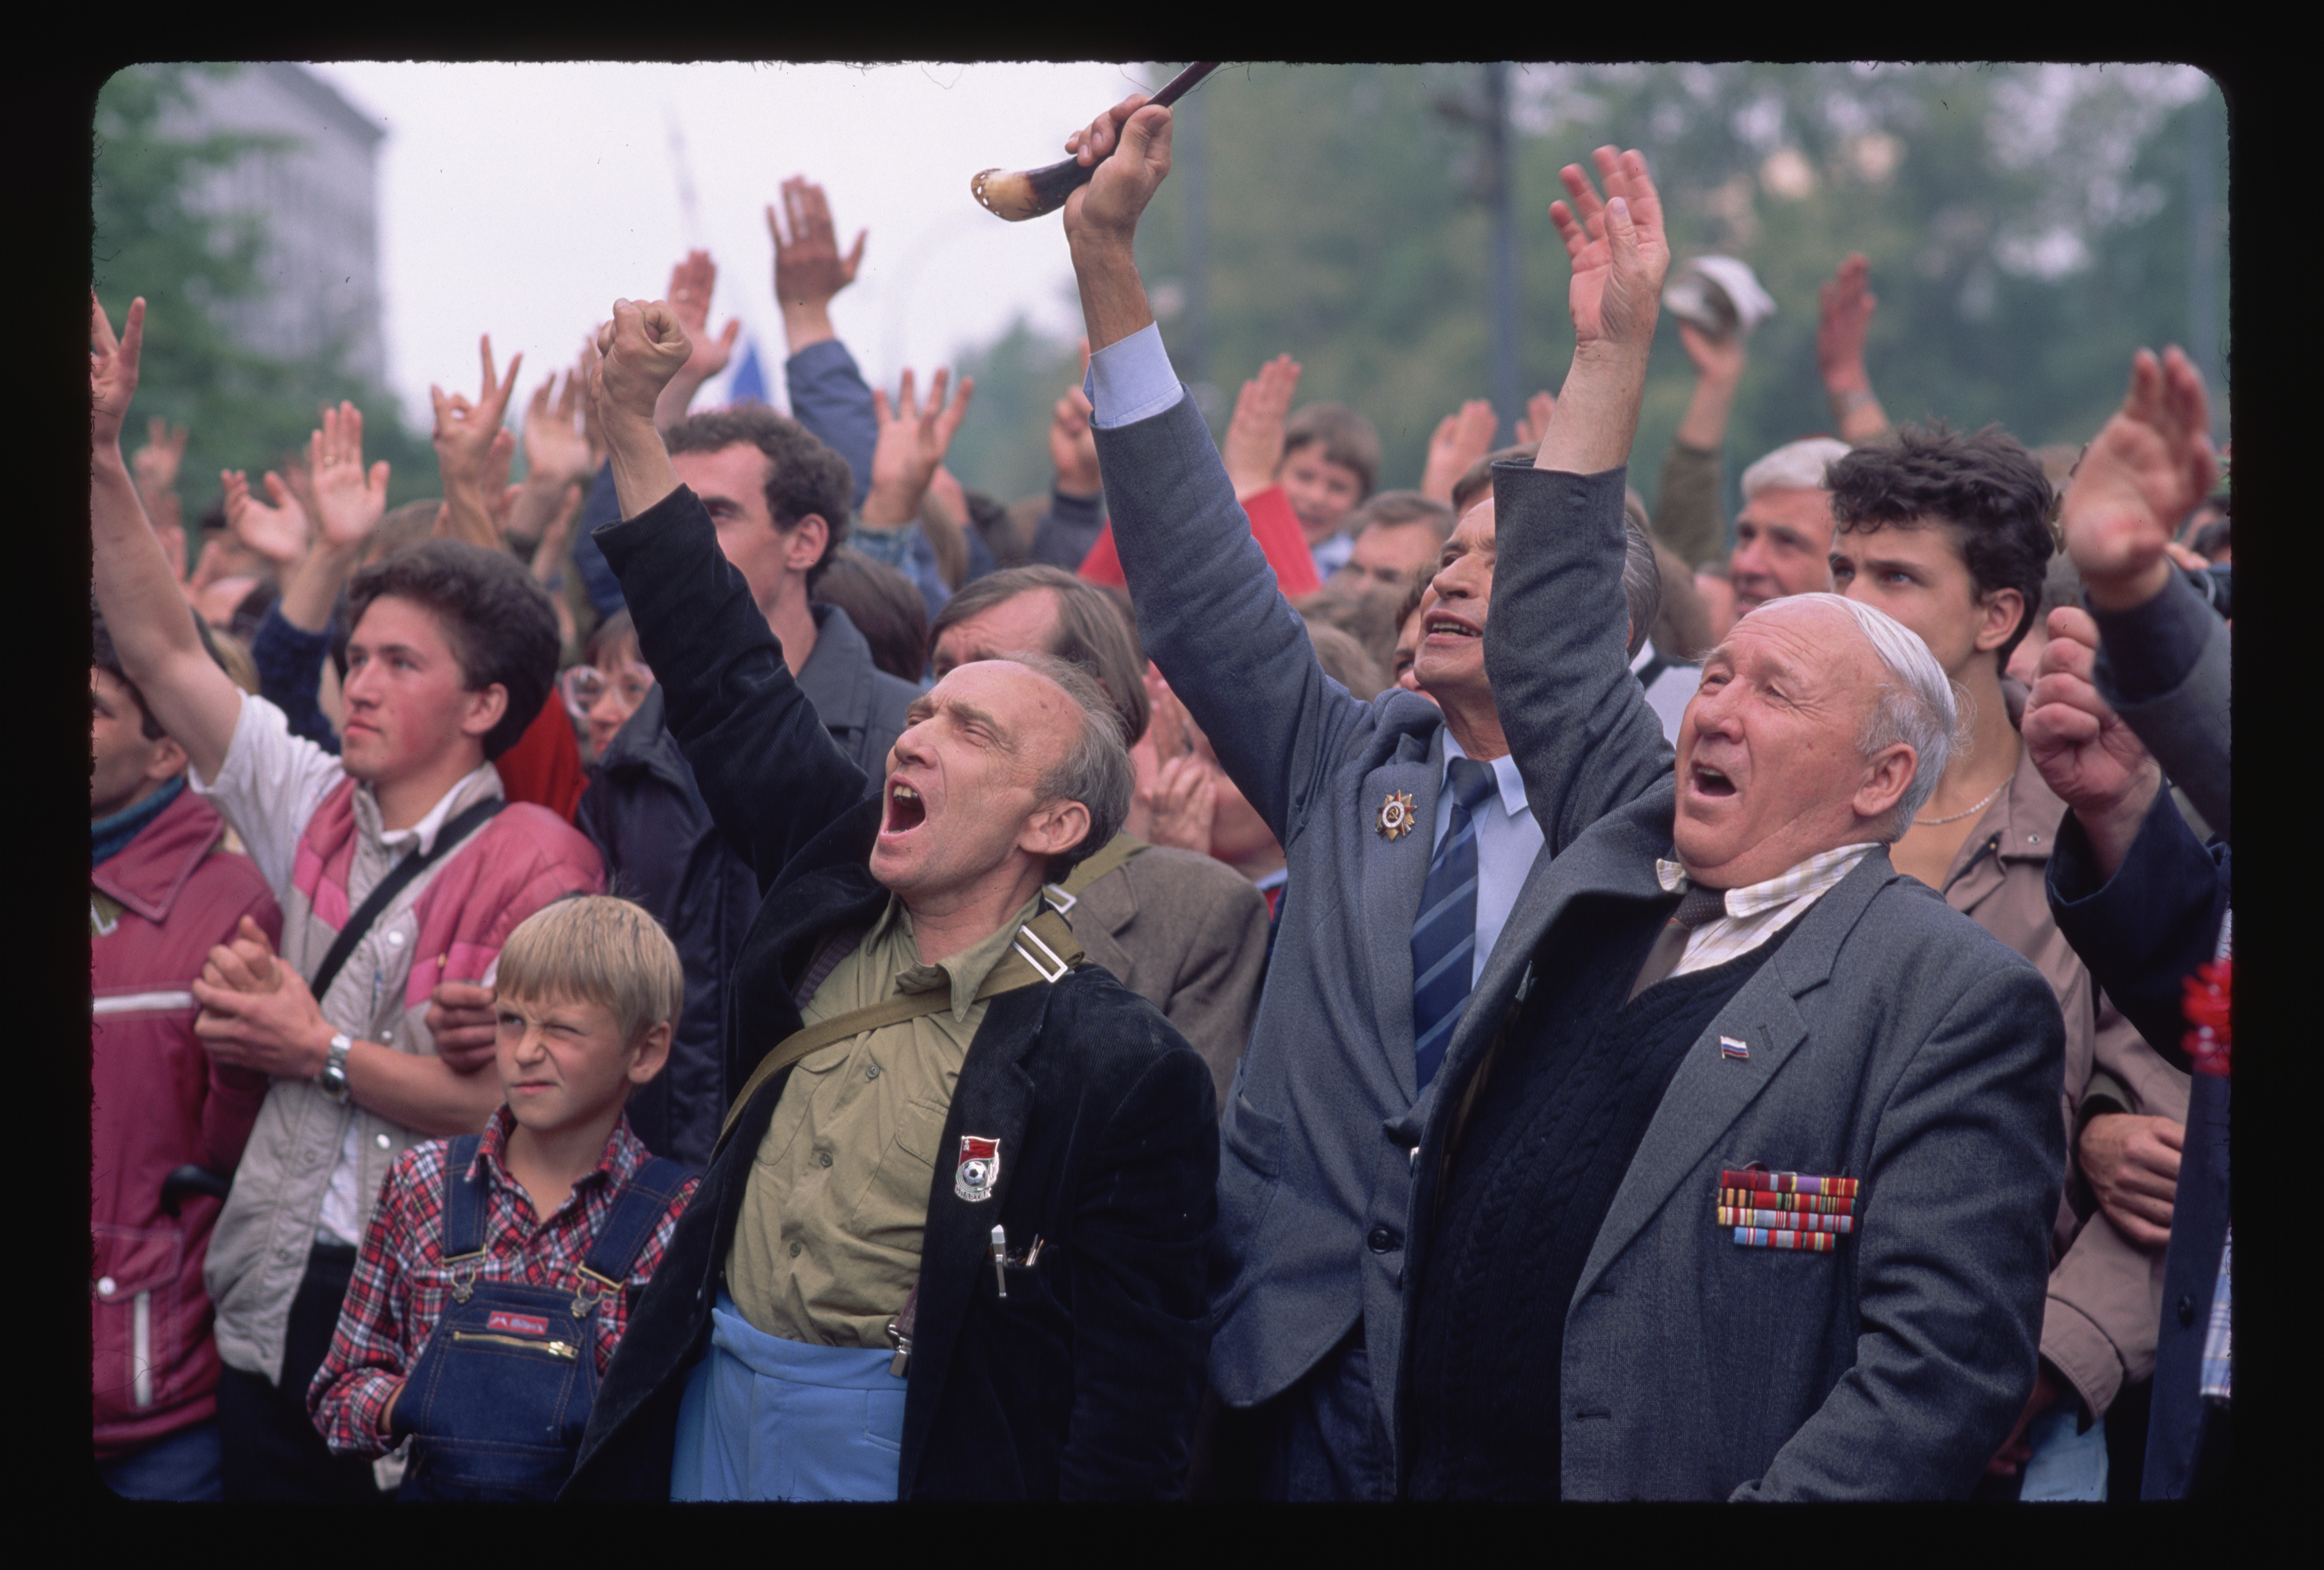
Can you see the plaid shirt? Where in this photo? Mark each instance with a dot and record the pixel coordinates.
(1757, 911)
(400, 1283)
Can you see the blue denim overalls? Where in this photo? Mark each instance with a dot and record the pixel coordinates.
(501, 1392)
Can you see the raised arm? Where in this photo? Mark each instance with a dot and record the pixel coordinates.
(465, 435)
(691, 284)
(1687, 504)
(1556, 645)
(152, 626)
(767, 767)
(828, 393)
(1844, 318)
(1208, 608)
(2164, 657)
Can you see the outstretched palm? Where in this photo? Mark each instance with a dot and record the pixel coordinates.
(2149, 468)
(349, 500)
(1616, 288)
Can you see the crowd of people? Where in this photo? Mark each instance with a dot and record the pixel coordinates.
(739, 968)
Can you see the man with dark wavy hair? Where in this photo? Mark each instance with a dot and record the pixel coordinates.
(1947, 532)
(398, 864)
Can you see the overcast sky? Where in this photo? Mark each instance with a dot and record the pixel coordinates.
(522, 200)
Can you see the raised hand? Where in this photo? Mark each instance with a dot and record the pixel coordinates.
(2149, 468)
(1073, 444)
(1844, 316)
(808, 268)
(349, 500)
(691, 282)
(1535, 423)
(1844, 304)
(465, 430)
(156, 464)
(1715, 359)
(112, 371)
(1618, 250)
(2083, 750)
(638, 351)
(1461, 437)
(278, 532)
(1253, 448)
(1107, 208)
(913, 439)
(555, 444)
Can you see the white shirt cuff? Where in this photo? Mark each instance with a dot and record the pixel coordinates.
(1131, 380)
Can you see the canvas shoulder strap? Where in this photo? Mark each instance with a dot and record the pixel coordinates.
(1043, 951)
(448, 838)
(1109, 856)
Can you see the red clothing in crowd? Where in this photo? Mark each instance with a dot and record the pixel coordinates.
(1273, 524)
(156, 908)
(545, 765)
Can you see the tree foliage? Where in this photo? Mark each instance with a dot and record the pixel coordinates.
(153, 234)
(2028, 227)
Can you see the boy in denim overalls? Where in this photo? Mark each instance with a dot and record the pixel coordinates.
(500, 1269)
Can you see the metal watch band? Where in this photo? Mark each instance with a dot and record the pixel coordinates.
(333, 1080)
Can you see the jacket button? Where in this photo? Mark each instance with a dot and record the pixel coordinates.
(872, 1072)
(823, 1158)
(795, 1251)
(106, 1286)
(382, 1140)
(1383, 1240)
(2186, 1310)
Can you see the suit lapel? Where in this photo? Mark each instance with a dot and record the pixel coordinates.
(1394, 872)
(993, 1100)
(1710, 1091)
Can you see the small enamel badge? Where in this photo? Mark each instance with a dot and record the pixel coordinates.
(1395, 814)
(979, 1169)
(1728, 1046)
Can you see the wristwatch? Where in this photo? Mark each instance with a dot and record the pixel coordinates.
(333, 1080)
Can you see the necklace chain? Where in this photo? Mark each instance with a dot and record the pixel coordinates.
(1956, 817)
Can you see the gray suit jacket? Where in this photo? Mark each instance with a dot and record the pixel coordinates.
(1889, 1038)
(1188, 934)
(1313, 1191)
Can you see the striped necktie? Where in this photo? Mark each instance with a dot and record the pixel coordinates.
(1444, 933)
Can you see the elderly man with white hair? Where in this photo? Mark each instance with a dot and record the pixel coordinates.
(1737, 1179)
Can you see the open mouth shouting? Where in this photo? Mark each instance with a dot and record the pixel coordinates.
(906, 810)
(1713, 784)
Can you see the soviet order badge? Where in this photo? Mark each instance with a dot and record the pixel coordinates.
(979, 1169)
(1396, 813)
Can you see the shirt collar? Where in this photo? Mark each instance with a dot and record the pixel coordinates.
(1814, 876)
(623, 1154)
(964, 972)
(471, 788)
(1644, 657)
(1508, 780)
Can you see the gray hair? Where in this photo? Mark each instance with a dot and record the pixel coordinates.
(1796, 465)
(1917, 706)
(1641, 580)
(1095, 770)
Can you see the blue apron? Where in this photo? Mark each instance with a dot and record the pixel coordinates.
(497, 1402)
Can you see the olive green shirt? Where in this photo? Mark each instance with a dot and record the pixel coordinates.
(828, 1241)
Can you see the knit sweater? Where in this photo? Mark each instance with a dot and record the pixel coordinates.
(1574, 1085)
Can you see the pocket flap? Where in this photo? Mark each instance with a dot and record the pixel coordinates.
(126, 1259)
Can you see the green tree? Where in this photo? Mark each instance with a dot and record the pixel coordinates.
(152, 235)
